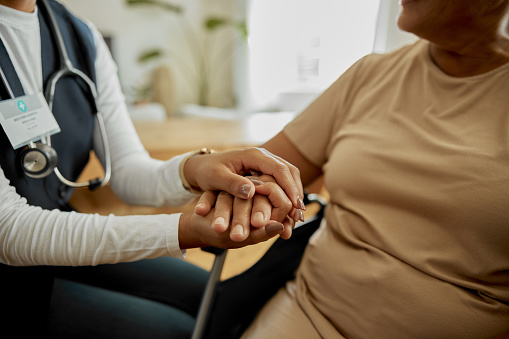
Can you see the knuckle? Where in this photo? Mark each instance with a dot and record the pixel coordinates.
(287, 206)
(282, 166)
(224, 195)
(258, 150)
(242, 204)
(230, 183)
(225, 200)
(295, 170)
(268, 179)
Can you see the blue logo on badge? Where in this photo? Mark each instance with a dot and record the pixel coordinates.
(22, 106)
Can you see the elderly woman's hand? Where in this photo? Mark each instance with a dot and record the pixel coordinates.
(271, 205)
(226, 171)
(198, 231)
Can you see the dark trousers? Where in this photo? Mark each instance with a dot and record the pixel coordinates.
(156, 298)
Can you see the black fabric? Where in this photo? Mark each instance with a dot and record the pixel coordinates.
(151, 298)
(170, 281)
(26, 294)
(27, 290)
(10, 74)
(154, 298)
(87, 312)
(238, 299)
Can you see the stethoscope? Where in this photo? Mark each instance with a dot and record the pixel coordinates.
(39, 159)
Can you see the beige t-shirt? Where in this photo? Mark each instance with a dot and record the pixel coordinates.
(416, 243)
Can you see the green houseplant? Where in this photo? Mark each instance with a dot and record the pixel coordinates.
(205, 52)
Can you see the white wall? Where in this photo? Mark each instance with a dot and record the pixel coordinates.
(297, 48)
(282, 32)
(388, 36)
(135, 29)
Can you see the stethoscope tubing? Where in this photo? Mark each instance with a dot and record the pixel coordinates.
(67, 69)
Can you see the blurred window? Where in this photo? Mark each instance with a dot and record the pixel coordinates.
(297, 48)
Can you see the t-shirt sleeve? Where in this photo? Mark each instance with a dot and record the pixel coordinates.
(312, 130)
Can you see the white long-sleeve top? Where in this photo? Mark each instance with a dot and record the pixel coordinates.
(30, 235)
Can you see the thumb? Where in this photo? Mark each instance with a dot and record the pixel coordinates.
(237, 186)
(272, 229)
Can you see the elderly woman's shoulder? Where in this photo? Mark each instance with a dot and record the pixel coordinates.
(407, 51)
(405, 55)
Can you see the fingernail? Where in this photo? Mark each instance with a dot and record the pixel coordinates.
(219, 221)
(256, 182)
(294, 214)
(274, 228)
(238, 229)
(245, 190)
(298, 215)
(258, 217)
(302, 206)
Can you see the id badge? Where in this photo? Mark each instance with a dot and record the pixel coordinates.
(27, 118)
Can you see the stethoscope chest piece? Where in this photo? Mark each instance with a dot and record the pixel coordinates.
(38, 160)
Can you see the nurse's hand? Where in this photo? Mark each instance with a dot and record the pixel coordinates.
(245, 215)
(197, 231)
(225, 171)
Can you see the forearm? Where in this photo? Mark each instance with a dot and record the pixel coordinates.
(141, 180)
(31, 235)
(281, 146)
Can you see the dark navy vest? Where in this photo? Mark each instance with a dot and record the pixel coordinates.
(71, 108)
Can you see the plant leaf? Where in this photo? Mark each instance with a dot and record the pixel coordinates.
(213, 23)
(150, 55)
(162, 4)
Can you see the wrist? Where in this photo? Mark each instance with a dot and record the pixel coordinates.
(188, 170)
(188, 173)
(187, 238)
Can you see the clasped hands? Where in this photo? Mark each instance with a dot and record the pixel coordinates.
(249, 196)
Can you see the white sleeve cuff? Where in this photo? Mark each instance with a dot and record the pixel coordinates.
(172, 237)
(172, 170)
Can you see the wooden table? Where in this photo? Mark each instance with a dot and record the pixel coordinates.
(178, 135)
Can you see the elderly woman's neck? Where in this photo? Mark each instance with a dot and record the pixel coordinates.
(21, 5)
(463, 53)
(471, 60)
